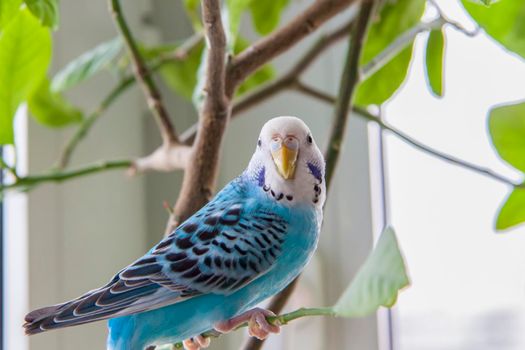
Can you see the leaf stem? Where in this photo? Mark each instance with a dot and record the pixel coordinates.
(59, 176)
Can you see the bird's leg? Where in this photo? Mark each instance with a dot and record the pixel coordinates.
(258, 326)
(196, 343)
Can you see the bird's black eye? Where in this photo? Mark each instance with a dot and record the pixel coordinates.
(309, 139)
(259, 143)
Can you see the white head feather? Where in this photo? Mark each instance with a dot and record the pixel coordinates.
(307, 184)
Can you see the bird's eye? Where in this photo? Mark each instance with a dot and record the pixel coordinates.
(309, 139)
(259, 143)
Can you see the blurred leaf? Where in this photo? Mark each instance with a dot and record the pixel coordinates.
(45, 10)
(377, 282)
(512, 212)
(25, 52)
(86, 65)
(235, 9)
(395, 18)
(503, 20)
(264, 74)
(181, 75)
(484, 2)
(50, 108)
(192, 10)
(435, 56)
(507, 130)
(8, 11)
(267, 14)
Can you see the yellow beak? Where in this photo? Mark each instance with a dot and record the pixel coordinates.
(285, 159)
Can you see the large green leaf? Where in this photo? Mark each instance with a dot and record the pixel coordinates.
(181, 75)
(45, 10)
(86, 65)
(25, 52)
(503, 20)
(435, 56)
(507, 131)
(378, 281)
(395, 18)
(512, 211)
(261, 76)
(267, 14)
(8, 11)
(50, 108)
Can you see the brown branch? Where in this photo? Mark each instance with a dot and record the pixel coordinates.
(267, 48)
(201, 173)
(286, 81)
(349, 81)
(145, 79)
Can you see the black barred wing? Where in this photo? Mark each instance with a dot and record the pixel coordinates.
(223, 247)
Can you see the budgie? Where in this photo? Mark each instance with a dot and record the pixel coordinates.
(245, 245)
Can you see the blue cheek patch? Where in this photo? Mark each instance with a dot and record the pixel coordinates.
(261, 176)
(315, 171)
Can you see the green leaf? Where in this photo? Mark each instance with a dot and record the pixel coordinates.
(507, 131)
(86, 65)
(261, 76)
(45, 10)
(267, 14)
(181, 76)
(395, 18)
(50, 108)
(8, 11)
(503, 20)
(377, 282)
(484, 2)
(235, 9)
(512, 212)
(435, 56)
(25, 52)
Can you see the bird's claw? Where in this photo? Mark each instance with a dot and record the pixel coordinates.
(196, 343)
(258, 326)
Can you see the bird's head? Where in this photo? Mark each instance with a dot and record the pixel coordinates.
(287, 164)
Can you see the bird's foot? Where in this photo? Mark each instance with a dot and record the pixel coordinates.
(258, 326)
(196, 343)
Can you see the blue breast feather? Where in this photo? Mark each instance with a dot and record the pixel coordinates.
(235, 252)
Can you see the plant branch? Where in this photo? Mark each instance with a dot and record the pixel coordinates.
(281, 320)
(181, 53)
(143, 76)
(285, 81)
(349, 80)
(201, 173)
(410, 140)
(267, 48)
(59, 176)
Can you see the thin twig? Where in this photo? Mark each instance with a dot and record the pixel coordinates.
(59, 176)
(10, 169)
(349, 80)
(153, 96)
(410, 140)
(201, 173)
(67, 151)
(180, 54)
(267, 48)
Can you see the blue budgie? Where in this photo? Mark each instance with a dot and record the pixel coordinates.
(246, 245)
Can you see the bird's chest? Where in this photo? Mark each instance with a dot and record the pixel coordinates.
(299, 245)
